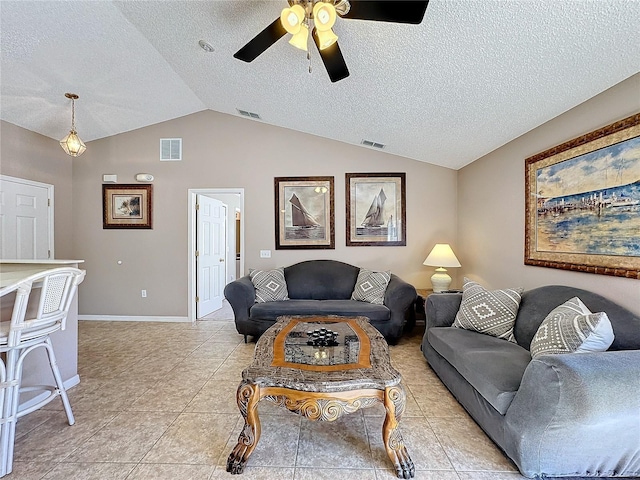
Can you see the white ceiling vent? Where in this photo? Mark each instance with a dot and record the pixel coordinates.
(170, 149)
(244, 113)
(369, 143)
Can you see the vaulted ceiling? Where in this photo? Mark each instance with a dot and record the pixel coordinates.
(471, 77)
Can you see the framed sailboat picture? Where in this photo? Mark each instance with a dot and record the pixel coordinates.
(304, 213)
(376, 205)
(583, 203)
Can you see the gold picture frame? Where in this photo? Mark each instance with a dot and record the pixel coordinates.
(127, 206)
(376, 209)
(304, 213)
(583, 203)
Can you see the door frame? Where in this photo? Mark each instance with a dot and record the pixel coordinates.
(191, 258)
(50, 209)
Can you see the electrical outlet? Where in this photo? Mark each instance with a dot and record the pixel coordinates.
(265, 253)
(144, 294)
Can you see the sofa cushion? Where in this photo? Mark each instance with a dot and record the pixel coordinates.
(321, 280)
(347, 308)
(270, 285)
(492, 366)
(571, 327)
(371, 286)
(490, 312)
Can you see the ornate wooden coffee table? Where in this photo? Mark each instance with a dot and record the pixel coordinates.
(322, 368)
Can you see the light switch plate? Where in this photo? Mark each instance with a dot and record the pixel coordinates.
(265, 253)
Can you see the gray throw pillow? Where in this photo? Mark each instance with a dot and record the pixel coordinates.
(371, 286)
(572, 328)
(489, 312)
(270, 285)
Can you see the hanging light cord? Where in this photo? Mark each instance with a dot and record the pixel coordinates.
(73, 115)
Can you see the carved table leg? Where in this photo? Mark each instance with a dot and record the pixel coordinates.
(248, 396)
(394, 403)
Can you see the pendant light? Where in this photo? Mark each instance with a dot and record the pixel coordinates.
(71, 144)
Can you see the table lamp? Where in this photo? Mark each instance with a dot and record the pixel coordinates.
(441, 256)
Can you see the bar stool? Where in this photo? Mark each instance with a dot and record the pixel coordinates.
(23, 334)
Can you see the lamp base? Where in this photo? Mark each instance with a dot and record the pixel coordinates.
(440, 280)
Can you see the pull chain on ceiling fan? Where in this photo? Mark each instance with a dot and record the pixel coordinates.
(297, 18)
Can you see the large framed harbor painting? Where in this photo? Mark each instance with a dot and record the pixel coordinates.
(376, 209)
(583, 203)
(304, 213)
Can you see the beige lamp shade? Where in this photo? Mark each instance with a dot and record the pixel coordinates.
(324, 15)
(441, 256)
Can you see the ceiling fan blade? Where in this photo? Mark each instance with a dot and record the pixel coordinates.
(332, 59)
(388, 11)
(261, 42)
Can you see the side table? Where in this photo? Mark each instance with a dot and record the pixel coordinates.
(423, 293)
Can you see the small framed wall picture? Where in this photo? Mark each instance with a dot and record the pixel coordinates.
(127, 206)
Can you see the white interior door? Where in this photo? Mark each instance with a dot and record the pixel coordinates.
(26, 219)
(211, 251)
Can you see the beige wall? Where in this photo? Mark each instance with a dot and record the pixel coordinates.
(491, 203)
(223, 151)
(29, 155)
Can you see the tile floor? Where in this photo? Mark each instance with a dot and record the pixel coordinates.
(157, 401)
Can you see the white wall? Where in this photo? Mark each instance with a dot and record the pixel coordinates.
(491, 204)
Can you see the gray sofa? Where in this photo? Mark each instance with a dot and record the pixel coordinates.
(557, 415)
(320, 287)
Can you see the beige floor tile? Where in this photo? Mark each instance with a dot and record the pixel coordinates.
(256, 473)
(194, 438)
(90, 471)
(29, 422)
(277, 446)
(334, 474)
(215, 397)
(495, 476)
(436, 401)
(467, 446)
(165, 471)
(113, 395)
(30, 470)
(419, 475)
(214, 349)
(421, 442)
(342, 443)
(55, 439)
(194, 368)
(127, 438)
(169, 396)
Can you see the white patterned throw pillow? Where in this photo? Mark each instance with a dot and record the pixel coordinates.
(270, 285)
(572, 328)
(371, 286)
(489, 312)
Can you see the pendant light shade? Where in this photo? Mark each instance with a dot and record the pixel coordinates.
(72, 144)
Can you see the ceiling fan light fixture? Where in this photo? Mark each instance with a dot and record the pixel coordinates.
(72, 144)
(300, 39)
(324, 15)
(326, 38)
(292, 18)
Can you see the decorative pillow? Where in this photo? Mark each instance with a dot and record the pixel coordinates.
(490, 312)
(270, 285)
(371, 286)
(570, 328)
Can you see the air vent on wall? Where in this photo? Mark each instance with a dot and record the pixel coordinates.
(244, 113)
(369, 143)
(170, 149)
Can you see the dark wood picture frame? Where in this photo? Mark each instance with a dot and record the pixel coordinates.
(304, 213)
(582, 203)
(127, 206)
(376, 209)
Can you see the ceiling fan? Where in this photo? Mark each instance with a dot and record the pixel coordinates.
(297, 18)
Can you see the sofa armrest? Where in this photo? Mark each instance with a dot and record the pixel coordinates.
(441, 308)
(241, 295)
(577, 414)
(398, 297)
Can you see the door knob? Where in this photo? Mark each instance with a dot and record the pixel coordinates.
(222, 260)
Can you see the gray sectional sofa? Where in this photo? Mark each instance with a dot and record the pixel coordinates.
(575, 414)
(320, 287)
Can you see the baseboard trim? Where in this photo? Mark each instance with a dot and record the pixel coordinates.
(72, 382)
(128, 318)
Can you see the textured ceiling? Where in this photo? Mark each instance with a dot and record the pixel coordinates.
(473, 76)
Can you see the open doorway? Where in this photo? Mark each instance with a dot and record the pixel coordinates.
(231, 260)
